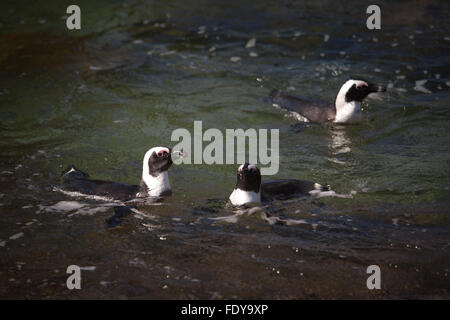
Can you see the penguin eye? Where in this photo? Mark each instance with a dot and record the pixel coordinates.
(361, 86)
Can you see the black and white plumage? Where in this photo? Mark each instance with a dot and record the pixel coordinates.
(346, 108)
(154, 183)
(250, 189)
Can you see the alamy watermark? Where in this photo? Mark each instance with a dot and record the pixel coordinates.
(232, 149)
(374, 20)
(374, 280)
(73, 22)
(74, 280)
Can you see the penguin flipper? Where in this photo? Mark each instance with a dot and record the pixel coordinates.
(74, 172)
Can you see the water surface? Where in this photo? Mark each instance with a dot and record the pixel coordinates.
(100, 97)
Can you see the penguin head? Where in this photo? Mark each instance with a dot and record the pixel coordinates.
(357, 89)
(248, 178)
(157, 160)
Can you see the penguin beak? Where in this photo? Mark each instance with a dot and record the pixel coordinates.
(177, 154)
(376, 88)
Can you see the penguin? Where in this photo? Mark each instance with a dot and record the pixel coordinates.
(250, 189)
(154, 182)
(346, 109)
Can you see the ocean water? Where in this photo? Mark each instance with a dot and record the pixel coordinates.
(137, 70)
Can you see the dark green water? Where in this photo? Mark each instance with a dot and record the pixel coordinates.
(136, 71)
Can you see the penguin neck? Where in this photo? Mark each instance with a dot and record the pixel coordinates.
(348, 112)
(240, 197)
(155, 185)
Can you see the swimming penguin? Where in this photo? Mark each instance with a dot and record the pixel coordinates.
(154, 183)
(346, 108)
(249, 188)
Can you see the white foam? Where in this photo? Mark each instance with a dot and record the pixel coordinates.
(85, 211)
(88, 196)
(420, 86)
(88, 268)
(201, 29)
(238, 213)
(251, 43)
(95, 68)
(297, 116)
(330, 193)
(167, 53)
(140, 215)
(292, 222)
(77, 207)
(231, 218)
(334, 160)
(16, 236)
(66, 206)
(289, 222)
(105, 206)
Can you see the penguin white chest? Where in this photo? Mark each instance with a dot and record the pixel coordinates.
(239, 197)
